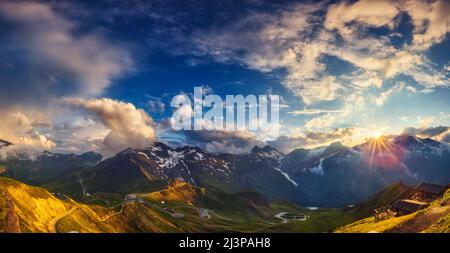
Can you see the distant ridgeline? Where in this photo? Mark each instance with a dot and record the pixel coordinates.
(331, 176)
(185, 189)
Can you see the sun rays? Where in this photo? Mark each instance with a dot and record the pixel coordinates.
(380, 152)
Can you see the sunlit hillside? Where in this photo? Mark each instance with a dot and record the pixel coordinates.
(180, 207)
(435, 218)
(36, 210)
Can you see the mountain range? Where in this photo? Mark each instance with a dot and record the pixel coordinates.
(331, 176)
(186, 189)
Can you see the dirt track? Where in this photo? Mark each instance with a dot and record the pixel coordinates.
(54, 221)
(422, 221)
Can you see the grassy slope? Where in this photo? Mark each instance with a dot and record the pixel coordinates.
(244, 212)
(443, 224)
(386, 197)
(38, 209)
(2, 209)
(435, 218)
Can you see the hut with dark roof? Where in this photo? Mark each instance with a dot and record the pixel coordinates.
(428, 192)
(407, 206)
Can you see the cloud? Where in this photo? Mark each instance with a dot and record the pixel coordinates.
(321, 122)
(313, 111)
(431, 22)
(52, 56)
(428, 132)
(426, 121)
(271, 42)
(156, 105)
(386, 94)
(312, 139)
(446, 137)
(24, 132)
(429, 18)
(297, 38)
(347, 18)
(128, 125)
(222, 141)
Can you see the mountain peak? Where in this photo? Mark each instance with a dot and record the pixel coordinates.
(266, 151)
(47, 153)
(335, 146)
(161, 145)
(4, 143)
(407, 140)
(268, 148)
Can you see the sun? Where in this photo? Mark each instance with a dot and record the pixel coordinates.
(376, 134)
(381, 152)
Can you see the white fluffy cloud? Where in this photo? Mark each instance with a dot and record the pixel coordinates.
(23, 132)
(364, 12)
(431, 21)
(128, 125)
(430, 18)
(298, 38)
(48, 55)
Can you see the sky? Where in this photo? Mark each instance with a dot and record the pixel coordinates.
(77, 76)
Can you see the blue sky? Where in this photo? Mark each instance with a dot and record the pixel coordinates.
(344, 69)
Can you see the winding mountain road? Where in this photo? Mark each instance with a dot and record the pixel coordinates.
(54, 221)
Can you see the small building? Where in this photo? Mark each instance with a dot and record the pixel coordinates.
(428, 192)
(407, 206)
(383, 213)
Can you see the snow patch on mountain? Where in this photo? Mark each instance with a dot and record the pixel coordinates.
(272, 154)
(144, 155)
(408, 171)
(199, 156)
(286, 176)
(173, 159)
(318, 169)
(157, 148)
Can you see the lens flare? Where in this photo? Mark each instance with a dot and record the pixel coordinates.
(380, 152)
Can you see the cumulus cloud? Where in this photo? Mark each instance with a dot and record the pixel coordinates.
(272, 42)
(431, 21)
(430, 18)
(128, 125)
(346, 17)
(24, 132)
(46, 54)
(49, 55)
(297, 38)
